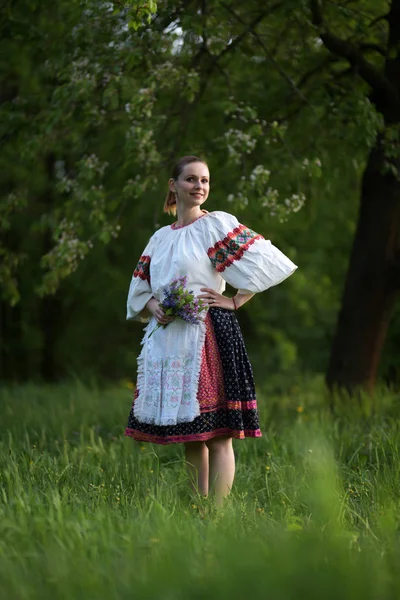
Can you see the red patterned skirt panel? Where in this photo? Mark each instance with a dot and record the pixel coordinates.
(211, 390)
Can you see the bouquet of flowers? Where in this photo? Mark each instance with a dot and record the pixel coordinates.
(180, 302)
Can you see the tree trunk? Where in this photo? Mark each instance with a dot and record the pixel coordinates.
(372, 281)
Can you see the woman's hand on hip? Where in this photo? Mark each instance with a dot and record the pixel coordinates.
(157, 311)
(213, 299)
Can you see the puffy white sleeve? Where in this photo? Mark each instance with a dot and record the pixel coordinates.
(140, 287)
(246, 260)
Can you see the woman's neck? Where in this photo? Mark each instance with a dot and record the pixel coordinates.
(188, 215)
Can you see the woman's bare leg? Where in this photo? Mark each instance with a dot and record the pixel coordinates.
(222, 466)
(196, 455)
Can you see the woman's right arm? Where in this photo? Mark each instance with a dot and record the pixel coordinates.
(140, 292)
(141, 304)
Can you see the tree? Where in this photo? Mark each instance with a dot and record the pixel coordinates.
(372, 281)
(359, 64)
(365, 37)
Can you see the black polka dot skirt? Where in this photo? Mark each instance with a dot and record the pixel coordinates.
(226, 391)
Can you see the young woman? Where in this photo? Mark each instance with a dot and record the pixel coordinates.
(195, 382)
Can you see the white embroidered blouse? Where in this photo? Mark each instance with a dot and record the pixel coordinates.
(211, 251)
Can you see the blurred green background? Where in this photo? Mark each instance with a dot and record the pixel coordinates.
(98, 100)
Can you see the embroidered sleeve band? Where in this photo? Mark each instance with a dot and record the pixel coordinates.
(143, 268)
(232, 247)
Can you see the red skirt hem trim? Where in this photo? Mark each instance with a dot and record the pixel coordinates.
(194, 437)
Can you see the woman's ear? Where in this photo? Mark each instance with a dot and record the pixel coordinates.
(171, 185)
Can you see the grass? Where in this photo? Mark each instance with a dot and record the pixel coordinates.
(87, 513)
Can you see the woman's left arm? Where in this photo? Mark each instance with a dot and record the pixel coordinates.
(240, 299)
(213, 299)
(247, 261)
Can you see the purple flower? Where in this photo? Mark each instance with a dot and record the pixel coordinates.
(180, 302)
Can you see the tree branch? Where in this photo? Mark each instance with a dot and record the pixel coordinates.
(360, 13)
(214, 60)
(378, 20)
(249, 29)
(215, 64)
(374, 47)
(269, 55)
(320, 67)
(171, 17)
(375, 78)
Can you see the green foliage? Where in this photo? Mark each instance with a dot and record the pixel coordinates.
(99, 99)
(74, 107)
(97, 91)
(85, 512)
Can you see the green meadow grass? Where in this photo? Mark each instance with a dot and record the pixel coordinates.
(87, 513)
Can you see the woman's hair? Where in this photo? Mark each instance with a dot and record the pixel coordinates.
(170, 202)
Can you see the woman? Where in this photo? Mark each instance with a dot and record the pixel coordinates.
(195, 383)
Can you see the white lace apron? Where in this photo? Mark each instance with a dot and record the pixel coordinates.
(168, 373)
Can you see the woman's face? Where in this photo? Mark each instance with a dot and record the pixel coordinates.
(192, 185)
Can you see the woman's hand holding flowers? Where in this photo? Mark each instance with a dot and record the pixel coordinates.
(157, 311)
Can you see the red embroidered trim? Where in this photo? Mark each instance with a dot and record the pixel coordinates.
(241, 404)
(232, 247)
(143, 268)
(174, 439)
(175, 226)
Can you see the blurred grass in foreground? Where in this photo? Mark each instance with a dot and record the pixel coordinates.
(87, 513)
